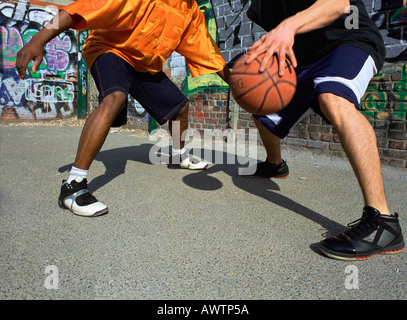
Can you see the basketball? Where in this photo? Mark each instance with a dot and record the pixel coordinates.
(262, 93)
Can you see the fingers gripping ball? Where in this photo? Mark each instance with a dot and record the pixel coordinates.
(262, 93)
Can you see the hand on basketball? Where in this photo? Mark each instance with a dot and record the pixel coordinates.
(279, 42)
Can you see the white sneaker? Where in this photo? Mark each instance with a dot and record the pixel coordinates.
(76, 197)
(193, 164)
(186, 162)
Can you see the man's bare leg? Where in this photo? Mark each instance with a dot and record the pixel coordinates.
(274, 166)
(358, 139)
(74, 194)
(97, 128)
(178, 125)
(271, 143)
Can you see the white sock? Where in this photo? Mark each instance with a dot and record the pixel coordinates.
(76, 172)
(178, 151)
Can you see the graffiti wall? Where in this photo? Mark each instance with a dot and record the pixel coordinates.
(51, 92)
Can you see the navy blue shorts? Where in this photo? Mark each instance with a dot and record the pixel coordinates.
(346, 72)
(158, 95)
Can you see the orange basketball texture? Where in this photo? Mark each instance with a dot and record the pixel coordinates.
(262, 93)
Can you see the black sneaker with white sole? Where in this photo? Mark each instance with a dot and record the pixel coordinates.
(267, 170)
(372, 234)
(76, 197)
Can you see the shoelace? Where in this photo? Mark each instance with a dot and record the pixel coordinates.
(79, 185)
(362, 225)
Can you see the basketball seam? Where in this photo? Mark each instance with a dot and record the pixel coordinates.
(264, 99)
(275, 84)
(251, 89)
(261, 83)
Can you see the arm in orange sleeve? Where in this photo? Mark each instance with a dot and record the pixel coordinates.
(199, 49)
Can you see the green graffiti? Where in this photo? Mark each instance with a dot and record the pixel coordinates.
(26, 36)
(374, 99)
(400, 89)
(397, 16)
(210, 81)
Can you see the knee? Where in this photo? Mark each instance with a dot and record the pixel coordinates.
(335, 108)
(114, 101)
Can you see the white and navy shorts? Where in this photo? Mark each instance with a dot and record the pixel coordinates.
(345, 72)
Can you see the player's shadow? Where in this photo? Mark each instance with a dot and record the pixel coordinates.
(115, 161)
(262, 187)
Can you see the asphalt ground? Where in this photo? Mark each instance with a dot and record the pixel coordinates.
(178, 234)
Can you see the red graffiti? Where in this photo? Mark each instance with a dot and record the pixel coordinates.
(196, 107)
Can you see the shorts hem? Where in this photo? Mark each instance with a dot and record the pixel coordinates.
(172, 113)
(271, 126)
(338, 89)
(111, 90)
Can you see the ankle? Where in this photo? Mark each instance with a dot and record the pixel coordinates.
(176, 152)
(76, 172)
(275, 161)
(383, 210)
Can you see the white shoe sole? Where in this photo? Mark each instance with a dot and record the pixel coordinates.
(187, 164)
(92, 210)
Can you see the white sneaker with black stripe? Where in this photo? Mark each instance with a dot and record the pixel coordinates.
(76, 197)
(186, 162)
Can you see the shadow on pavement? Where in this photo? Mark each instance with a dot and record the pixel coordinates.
(115, 161)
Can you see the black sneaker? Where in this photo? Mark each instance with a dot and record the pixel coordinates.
(76, 197)
(267, 170)
(372, 234)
